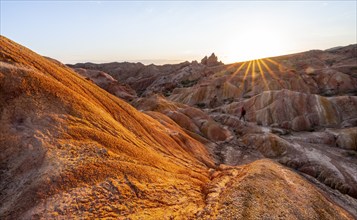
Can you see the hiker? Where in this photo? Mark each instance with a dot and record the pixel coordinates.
(242, 113)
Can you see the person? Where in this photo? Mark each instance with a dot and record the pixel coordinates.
(242, 113)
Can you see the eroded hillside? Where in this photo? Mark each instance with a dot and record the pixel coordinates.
(69, 149)
(301, 110)
(66, 144)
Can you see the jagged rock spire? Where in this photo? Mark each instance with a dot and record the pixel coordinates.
(211, 61)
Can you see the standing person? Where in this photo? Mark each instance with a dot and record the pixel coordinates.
(242, 113)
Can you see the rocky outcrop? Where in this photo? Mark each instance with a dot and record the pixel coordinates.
(211, 60)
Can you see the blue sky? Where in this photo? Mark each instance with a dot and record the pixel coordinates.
(173, 31)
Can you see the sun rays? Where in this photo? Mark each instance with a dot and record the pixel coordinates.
(255, 69)
(262, 74)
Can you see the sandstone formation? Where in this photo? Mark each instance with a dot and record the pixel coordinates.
(211, 60)
(69, 149)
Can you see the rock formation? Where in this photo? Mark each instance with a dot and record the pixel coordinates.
(211, 60)
(69, 149)
(297, 111)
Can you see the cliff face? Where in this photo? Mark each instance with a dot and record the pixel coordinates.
(69, 149)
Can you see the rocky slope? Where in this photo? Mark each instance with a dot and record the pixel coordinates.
(301, 111)
(69, 149)
(241, 193)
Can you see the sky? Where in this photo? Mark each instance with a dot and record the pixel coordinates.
(175, 31)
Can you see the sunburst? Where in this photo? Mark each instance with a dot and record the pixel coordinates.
(253, 69)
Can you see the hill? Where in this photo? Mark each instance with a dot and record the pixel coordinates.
(62, 136)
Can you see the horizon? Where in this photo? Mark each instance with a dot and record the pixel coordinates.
(159, 62)
(174, 32)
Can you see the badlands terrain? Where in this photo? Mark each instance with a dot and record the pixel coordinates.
(130, 141)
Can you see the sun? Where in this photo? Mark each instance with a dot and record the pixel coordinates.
(255, 43)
